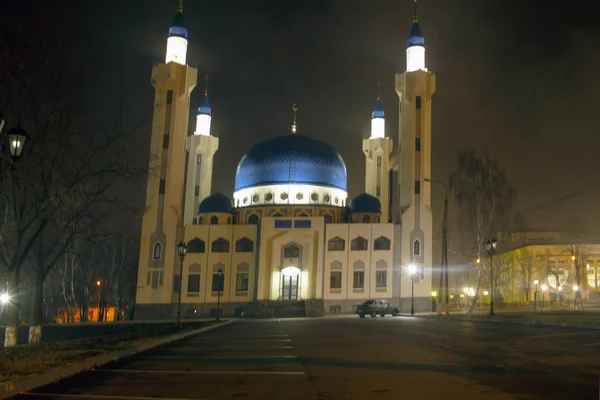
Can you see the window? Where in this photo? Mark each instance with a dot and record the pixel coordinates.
(335, 280)
(299, 196)
(378, 191)
(154, 279)
(214, 220)
(165, 141)
(418, 144)
(328, 219)
(255, 198)
(416, 248)
(228, 220)
(314, 197)
(176, 283)
(381, 243)
(417, 187)
(196, 246)
(253, 219)
(291, 252)
(193, 283)
(358, 280)
(200, 220)
(148, 278)
(283, 196)
(241, 282)
(380, 279)
(268, 196)
(336, 244)
(199, 159)
(157, 251)
(218, 282)
(220, 246)
(244, 245)
(169, 96)
(418, 102)
(161, 187)
(379, 161)
(360, 243)
(326, 198)
(365, 220)
(197, 191)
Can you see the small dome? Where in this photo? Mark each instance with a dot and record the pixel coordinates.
(291, 159)
(178, 28)
(415, 38)
(365, 203)
(378, 110)
(216, 203)
(205, 108)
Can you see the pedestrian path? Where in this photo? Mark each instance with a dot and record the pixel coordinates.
(246, 359)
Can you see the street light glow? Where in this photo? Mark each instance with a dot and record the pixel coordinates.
(412, 269)
(4, 298)
(98, 283)
(536, 282)
(544, 288)
(434, 294)
(576, 288)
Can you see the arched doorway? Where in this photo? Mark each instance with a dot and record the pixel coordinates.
(289, 285)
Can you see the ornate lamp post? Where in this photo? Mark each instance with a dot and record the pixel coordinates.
(17, 139)
(490, 247)
(182, 250)
(220, 273)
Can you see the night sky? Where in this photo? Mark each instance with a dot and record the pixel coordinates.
(516, 80)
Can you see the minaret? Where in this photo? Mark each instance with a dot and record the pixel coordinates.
(412, 204)
(202, 148)
(163, 214)
(377, 149)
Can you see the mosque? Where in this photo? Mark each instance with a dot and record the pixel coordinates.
(289, 241)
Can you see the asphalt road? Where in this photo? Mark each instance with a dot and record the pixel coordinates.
(352, 358)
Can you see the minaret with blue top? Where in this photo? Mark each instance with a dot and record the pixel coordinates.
(412, 194)
(202, 148)
(174, 82)
(377, 149)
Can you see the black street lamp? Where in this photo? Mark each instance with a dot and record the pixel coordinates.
(412, 270)
(17, 139)
(490, 247)
(182, 250)
(220, 273)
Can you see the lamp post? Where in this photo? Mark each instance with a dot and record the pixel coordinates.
(412, 270)
(182, 251)
(444, 249)
(220, 273)
(535, 295)
(17, 138)
(490, 247)
(99, 286)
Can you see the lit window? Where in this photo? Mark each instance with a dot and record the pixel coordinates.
(157, 251)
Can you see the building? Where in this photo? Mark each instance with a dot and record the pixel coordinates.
(552, 258)
(289, 237)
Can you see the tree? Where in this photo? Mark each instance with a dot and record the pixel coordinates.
(482, 191)
(526, 262)
(576, 248)
(121, 273)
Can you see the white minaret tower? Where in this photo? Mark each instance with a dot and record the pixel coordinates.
(174, 82)
(415, 88)
(202, 148)
(377, 149)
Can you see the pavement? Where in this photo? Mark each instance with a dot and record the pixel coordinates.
(352, 358)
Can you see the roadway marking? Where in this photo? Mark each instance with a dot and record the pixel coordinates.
(591, 344)
(99, 396)
(241, 372)
(549, 335)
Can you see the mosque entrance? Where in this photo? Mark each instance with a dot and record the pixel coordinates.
(289, 286)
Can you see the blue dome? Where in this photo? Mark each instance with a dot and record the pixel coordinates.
(415, 38)
(378, 110)
(216, 203)
(291, 159)
(365, 203)
(178, 28)
(205, 107)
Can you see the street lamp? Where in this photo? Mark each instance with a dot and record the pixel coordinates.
(490, 247)
(220, 273)
(4, 298)
(98, 285)
(412, 270)
(444, 249)
(182, 251)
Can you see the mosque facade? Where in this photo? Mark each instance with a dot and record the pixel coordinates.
(289, 239)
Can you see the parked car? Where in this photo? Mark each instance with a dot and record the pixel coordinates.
(376, 307)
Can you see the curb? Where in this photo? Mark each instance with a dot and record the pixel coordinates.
(510, 321)
(27, 383)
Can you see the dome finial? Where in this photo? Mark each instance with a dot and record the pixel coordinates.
(206, 85)
(378, 90)
(294, 110)
(415, 18)
(180, 9)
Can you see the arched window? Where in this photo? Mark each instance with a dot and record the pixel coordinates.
(359, 243)
(200, 220)
(157, 251)
(416, 248)
(196, 246)
(291, 252)
(358, 276)
(214, 220)
(253, 219)
(220, 246)
(366, 219)
(381, 243)
(229, 220)
(244, 245)
(336, 244)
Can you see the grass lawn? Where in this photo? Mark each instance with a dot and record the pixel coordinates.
(25, 359)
